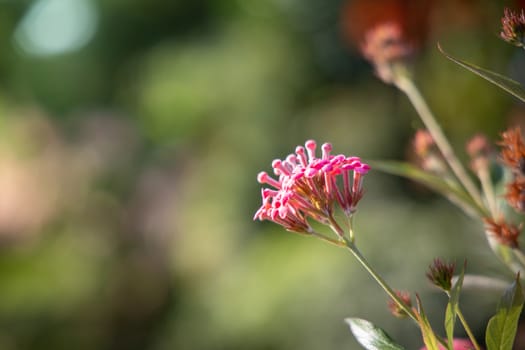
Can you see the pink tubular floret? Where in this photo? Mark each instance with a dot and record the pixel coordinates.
(267, 192)
(310, 148)
(279, 167)
(310, 188)
(264, 178)
(327, 148)
(291, 159)
(299, 150)
(362, 168)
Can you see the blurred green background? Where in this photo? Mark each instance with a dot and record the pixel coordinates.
(131, 133)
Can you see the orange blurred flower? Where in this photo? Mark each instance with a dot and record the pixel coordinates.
(506, 234)
(513, 150)
(411, 17)
(515, 195)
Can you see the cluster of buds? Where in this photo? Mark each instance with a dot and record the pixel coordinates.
(516, 194)
(440, 274)
(428, 155)
(513, 28)
(309, 187)
(395, 309)
(504, 232)
(479, 151)
(386, 48)
(513, 156)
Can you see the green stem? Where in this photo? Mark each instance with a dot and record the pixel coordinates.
(488, 189)
(334, 225)
(328, 239)
(353, 249)
(389, 291)
(349, 222)
(467, 329)
(406, 85)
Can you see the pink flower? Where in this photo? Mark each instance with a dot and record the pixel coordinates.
(459, 344)
(308, 187)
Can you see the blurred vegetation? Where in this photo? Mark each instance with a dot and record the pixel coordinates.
(131, 133)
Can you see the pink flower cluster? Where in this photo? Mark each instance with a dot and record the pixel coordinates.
(308, 187)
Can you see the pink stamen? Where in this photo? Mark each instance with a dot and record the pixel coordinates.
(362, 168)
(261, 177)
(310, 172)
(279, 168)
(356, 186)
(328, 184)
(338, 195)
(310, 148)
(299, 150)
(327, 148)
(283, 211)
(291, 159)
(264, 178)
(347, 191)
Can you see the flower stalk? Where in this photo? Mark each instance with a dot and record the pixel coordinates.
(406, 85)
(383, 284)
(488, 190)
(337, 243)
(391, 293)
(467, 329)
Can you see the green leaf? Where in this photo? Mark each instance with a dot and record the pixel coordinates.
(450, 190)
(507, 84)
(452, 307)
(429, 338)
(370, 336)
(502, 327)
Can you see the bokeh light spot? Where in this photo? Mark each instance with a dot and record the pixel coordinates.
(52, 27)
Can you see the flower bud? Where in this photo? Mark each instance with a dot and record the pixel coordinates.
(504, 232)
(394, 307)
(513, 27)
(440, 274)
